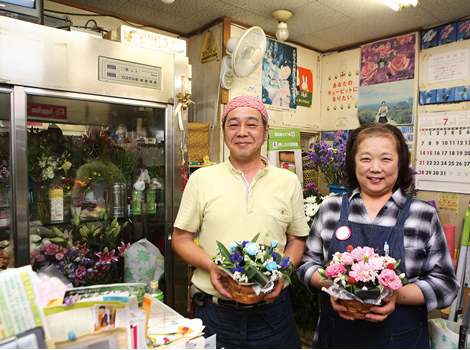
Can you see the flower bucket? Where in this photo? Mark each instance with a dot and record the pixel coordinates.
(337, 189)
(244, 293)
(356, 309)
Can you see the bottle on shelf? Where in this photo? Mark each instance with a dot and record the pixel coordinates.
(155, 291)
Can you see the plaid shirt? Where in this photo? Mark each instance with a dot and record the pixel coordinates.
(427, 258)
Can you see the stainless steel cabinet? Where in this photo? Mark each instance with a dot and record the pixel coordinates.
(62, 122)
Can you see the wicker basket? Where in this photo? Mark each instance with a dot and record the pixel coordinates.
(309, 174)
(244, 293)
(356, 309)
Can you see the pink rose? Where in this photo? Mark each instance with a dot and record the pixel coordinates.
(59, 256)
(50, 249)
(399, 63)
(377, 262)
(36, 256)
(347, 258)
(389, 279)
(383, 49)
(404, 40)
(333, 270)
(368, 70)
(79, 272)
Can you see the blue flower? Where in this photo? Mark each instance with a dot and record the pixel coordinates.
(271, 266)
(251, 248)
(233, 246)
(274, 255)
(274, 243)
(232, 258)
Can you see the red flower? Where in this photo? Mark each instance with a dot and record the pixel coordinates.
(349, 248)
(390, 266)
(351, 280)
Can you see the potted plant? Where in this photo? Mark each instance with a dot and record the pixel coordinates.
(253, 267)
(361, 278)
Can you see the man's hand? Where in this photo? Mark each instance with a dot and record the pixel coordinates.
(271, 296)
(219, 280)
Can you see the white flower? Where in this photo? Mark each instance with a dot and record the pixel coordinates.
(34, 238)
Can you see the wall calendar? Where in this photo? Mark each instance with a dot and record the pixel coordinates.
(443, 152)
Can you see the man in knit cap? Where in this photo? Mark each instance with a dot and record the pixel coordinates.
(233, 201)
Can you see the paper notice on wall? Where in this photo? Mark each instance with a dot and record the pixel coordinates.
(448, 203)
(449, 66)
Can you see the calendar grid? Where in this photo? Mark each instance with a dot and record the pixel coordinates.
(443, 152)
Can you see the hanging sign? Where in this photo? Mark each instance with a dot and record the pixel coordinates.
(209, 51)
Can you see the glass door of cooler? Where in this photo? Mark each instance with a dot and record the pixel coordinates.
(96, 180)
(5, 179)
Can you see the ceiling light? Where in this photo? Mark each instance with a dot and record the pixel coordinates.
(397, 5)
(282, 16)
(167, 2)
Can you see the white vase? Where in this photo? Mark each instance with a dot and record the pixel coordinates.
(76, 210)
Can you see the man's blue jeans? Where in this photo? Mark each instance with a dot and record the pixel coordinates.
(269, 326)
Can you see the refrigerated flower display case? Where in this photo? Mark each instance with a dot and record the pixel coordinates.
(92, 153)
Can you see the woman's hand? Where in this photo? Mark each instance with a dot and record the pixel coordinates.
(340, 308)
(376, 314)
(380, 313)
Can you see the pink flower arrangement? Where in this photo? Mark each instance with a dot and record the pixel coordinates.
(362, 274)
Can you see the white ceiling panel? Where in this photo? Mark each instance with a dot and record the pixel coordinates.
(322, 25)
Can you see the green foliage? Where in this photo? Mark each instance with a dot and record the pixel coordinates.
(306, 305)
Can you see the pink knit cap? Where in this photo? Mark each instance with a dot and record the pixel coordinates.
(246, 101)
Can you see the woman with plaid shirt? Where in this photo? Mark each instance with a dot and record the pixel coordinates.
(379, 211)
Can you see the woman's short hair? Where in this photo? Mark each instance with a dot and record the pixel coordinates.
(405, 176)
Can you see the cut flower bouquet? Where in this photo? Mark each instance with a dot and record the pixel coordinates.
(258, 265)
(329, 161)
(362, 275)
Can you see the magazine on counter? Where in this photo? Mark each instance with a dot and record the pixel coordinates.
(106, 292)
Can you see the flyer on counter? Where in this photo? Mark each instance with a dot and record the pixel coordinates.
(20, 308)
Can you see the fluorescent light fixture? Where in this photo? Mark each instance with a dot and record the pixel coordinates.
(392, 4)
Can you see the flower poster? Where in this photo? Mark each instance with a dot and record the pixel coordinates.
(387, 84)
(388, 60)
(305, 87)
(278, 79)
(463, 30)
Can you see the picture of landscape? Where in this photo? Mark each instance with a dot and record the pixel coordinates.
(398, 98)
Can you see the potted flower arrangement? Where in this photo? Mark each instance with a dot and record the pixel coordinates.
(48, 157)
(86, 255)
(328, 161)
(254, 267)
(361, 278)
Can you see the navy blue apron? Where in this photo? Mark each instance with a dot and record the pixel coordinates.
(406, 327)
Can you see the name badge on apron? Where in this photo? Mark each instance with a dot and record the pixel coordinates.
(343, 233)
